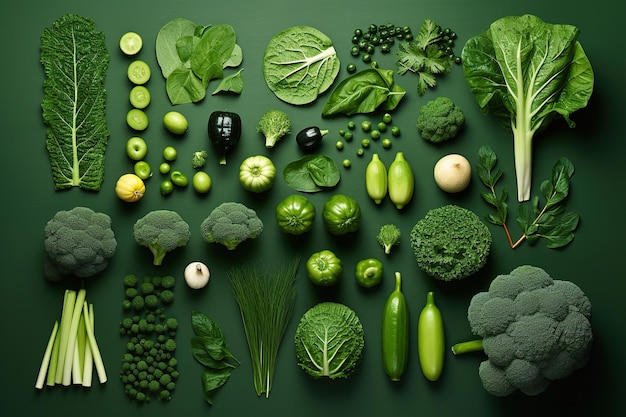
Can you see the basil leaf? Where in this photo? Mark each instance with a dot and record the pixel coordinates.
(212, 380)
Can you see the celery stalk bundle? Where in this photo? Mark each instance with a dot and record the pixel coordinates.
(72, 351)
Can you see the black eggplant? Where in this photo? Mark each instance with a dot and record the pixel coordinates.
(224, 132)
(310, 138)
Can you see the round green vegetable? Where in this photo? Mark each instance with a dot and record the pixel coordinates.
(368, 272)
(137, 119)
(430, 339)
(295, 215)
(139, 97)
(138, 72)
(341, 214)
(201, 182)
(257, 173)
(179, 179)
(324, 268)
(131, 43)
(395, 333)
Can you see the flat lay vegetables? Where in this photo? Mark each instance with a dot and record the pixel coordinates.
(341, 214)
(78, 242)
(544, 220)
(72, 352)
(431, 339)
(161, 231)
(440, 120)
(257, 173)
(295, 215)
(527, 72)
(149, 368)
(224, 129)
(324, 268)
(266, 297)
(75, 60)
(209, 348)
(388, 236)
(395, 332)
(299, 64)
(534, 330)
(329, 341)
(230, 224)
(450, 243)
(274, 125)
(312, 173)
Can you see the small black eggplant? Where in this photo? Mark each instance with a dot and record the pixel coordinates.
(224, 132)
(310, 138)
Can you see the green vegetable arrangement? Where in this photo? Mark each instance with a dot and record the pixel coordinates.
(266, 298)
(527, 73)
(329, 341)
(534, 330)
(75, 60)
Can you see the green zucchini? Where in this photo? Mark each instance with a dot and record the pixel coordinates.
(376, 179)
(400, 181)
(431, 339)
(395, 333)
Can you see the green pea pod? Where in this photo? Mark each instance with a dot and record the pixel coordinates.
(430, 339)
(395, 333)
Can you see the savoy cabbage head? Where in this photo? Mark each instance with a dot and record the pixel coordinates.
(329, 341)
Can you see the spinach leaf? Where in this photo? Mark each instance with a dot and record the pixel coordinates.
(299, 64)
(364, 92)
(173, 44)
(183, 86)
(212, 52)
(212, 380)
(75, 60)
(233, 84)
(312, 173)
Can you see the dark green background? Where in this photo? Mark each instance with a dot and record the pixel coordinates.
(30, 304)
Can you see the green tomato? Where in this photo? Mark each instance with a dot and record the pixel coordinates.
(179, 179)
(295, 215)
(368, 272)
(142, 170)
(341, 214)
(324, 268)
(175, 122)
(167, 187)
(170, 153)
(201, 182)
(257, 173)
(164, 168)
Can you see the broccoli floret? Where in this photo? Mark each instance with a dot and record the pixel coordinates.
(167, 282)
(388, 236)
(450, 243)
(167, 296)
(161, 231)
(274, 124)
(528, 347)
(230, 224)
(78, 242)
(439, 120)
(198, 160)
(130, 281)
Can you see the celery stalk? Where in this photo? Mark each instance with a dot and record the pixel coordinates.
(43, 369)
(69, 300)
(88, 357)
(97, 358)
(71, 340)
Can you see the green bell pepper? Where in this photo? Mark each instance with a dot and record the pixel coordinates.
(369, 272)
(324, 268)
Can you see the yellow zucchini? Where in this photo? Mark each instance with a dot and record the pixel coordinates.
(431, 339)
(395, 333)
(400, 182)
(376, 179)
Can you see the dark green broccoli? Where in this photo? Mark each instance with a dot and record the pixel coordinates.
(450, 242)
(78, 242)
(161, 231)
(439, 120)
(533, 329)
(198, 160)
(230, 224)
(274, 124)
(388, 236)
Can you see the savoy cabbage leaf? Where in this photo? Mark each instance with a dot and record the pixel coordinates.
(75, 61)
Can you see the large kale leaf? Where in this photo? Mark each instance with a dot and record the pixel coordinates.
(75, 61)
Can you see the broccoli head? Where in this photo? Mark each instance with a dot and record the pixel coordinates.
(439, 120)
(388, 236)
(274, 124)
(534, 330)
(161, 231)
(78, 242)
(230, 224)
(450, 242)
(198, 159)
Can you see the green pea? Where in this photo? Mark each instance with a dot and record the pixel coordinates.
(339, 145)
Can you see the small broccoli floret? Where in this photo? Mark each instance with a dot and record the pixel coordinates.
(450, 243)
(198, 160)
(130, 280)
(161, 231)
(78, 242)
(528, 347)
(439, 120)
(274, 124)
(388, 236)
(230, 224)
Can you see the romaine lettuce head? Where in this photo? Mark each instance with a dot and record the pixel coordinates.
(329, 341)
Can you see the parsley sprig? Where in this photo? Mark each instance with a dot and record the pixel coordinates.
(538, 218)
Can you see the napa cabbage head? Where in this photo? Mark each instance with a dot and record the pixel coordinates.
(527, 72)
(329, 341)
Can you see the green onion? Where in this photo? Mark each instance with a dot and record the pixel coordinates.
(266, 299)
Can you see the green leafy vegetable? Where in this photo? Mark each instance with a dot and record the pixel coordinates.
(364, 92)
(424, 56)
(75, 61)
(527, 73)
(299, 64)
(209, 348)
(312, 173)
(233, 84)
(549, 221)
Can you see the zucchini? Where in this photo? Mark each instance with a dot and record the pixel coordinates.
(395, 333)
(400, 182)
(376, 179)
(431, 339)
